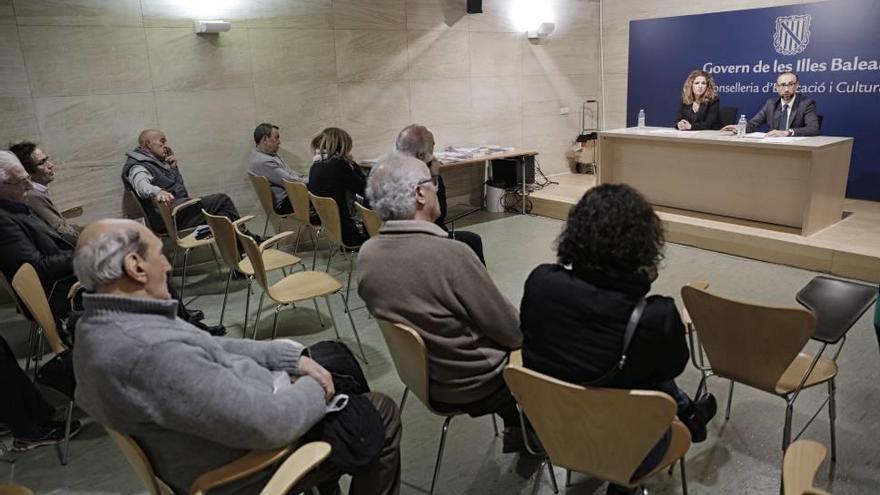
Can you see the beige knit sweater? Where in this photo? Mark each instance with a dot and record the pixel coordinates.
(414, 274)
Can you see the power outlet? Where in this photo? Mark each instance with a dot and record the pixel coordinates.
(563, 110)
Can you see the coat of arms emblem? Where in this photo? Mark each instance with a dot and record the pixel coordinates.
(792, 34)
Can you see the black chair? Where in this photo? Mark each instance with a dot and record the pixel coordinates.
(728, 115)
(837, 304)
(820, 117)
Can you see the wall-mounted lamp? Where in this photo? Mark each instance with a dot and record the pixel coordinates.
(211, 27)
(543, 31)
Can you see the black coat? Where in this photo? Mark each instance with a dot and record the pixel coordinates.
(338, 179)
(708, 116)
(573, 328)
(26, 238)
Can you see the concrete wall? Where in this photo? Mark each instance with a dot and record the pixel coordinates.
(83, 77)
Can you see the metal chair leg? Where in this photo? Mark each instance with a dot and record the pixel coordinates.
(494, 424)
(65, 456)
(354, 329)
(332, 253)
(786, 431)
(552, 476)
(275, 321)
(538, 475)
(832, 417)
(318, 312)
(247, 307)
(183, 278)
(403, 399)
(348, 284)
(684, 480)
(32, 338)
(729, 401)
(567, 478)
(216, 259)
(440, 453)
(225, 297)
(296, 243)
(332, 318)
(266, 225)
(314, 247)
(259, 314)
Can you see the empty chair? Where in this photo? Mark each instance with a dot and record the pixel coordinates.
(802, 460)
(224, 231)
(372, 222)
(295, 287)
(760, 346)
(27, 286)
(264, 195)
(838, 305)
(328, 210)
(410, 358)
(299, 198)
(303, 460)
(603, 432)
(182, 240)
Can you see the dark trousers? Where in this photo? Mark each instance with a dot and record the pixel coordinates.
(499, 402)
(215, 204)
(474, 241)
(381, 479)
(22, 407)
(284, 208)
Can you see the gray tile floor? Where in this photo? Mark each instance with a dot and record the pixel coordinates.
(740, 456)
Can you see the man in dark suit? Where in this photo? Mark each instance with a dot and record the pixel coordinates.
(788, 115)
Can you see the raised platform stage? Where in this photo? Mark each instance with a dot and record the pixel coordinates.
(849, 248)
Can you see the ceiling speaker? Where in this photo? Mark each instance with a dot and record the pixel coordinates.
(474, 6)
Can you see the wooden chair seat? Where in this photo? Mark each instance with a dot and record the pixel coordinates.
(802, 461)
(303, 285)
(825, 370)
(189, 241)
(274, 259)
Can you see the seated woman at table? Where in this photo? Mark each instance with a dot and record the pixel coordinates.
(575, 312)
(700, 106)
(335, 174)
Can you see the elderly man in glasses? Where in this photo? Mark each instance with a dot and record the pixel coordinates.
(790, 114)
(413, 273)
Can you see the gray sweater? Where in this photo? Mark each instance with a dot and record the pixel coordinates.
(193, 402)
(273, 168)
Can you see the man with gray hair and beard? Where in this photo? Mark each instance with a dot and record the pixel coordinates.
(413, 273)
(194, 402)
(417, 141)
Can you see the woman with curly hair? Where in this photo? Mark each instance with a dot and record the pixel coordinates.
(335, 174)
(700, 106)
(574, 313)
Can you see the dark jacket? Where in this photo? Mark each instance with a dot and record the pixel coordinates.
(165, 177)
(26, 238)
(804, 119)
(340, 180)
(708, 116)
(573, 328)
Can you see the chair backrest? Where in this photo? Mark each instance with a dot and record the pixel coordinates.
(328, 210)
(140, 463)
(4, 283)
(603, 432)
(27, 285)
(410, 357)
(255, 255)
(802, 461)
(299, 198)
(295, 467)
(728, 115)
(371, 220)
(820, 118)
(128, 213)
(264, 194)
(748, 343)
(167, 218)
(225, 237)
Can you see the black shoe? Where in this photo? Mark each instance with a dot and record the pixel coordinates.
(50, 434)
(707, 406)
(216, 331)
(698, 414)
(194, 315)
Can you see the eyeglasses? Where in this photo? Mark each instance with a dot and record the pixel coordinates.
(17, 181)
(787, 85)
(434, 179)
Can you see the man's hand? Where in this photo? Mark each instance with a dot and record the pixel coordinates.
(729, 128)
(308, 367)
(778, 133)
(164, 197)
(683, 125)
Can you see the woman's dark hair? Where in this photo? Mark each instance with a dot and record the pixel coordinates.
(612, 228)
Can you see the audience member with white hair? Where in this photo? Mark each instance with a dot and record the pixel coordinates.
(195, 402)
(412, 273)
(416, 140)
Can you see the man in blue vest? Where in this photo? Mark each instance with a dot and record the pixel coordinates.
(151, 171)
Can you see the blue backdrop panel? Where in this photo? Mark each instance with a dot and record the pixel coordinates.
(833, 46)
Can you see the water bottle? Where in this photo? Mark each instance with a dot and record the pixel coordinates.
(741, 126)
(642, 117)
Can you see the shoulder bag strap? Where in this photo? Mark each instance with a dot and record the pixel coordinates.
(631, 326)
